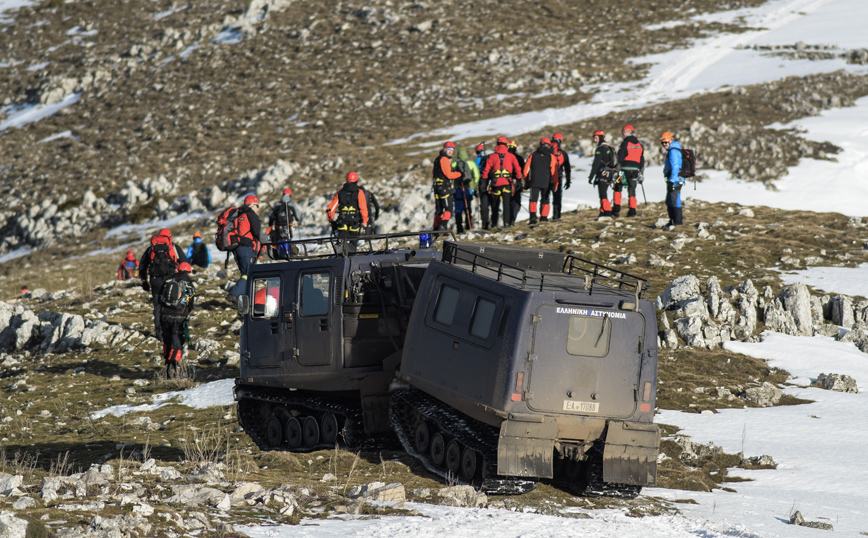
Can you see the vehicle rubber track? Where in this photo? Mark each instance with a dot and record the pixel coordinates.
(257, 405)
(405, 409)
(586, 477)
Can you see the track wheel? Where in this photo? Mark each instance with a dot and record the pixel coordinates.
(421, 438)
(310, 432)
(468, 464)
(438, 449)
(293, 432)
(328, 425)
(274, 432)
(453, 457)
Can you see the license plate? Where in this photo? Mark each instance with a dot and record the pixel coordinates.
(583, 407)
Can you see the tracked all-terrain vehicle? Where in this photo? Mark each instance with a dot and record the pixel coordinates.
(507, 365)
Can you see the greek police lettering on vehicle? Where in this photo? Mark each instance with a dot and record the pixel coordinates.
(592, 313)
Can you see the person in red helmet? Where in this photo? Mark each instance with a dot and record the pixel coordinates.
(602, 171)
(541, 175)
(348, 210)
(444, 182)
(631, 161)
(284, 214)
(128, 268)
(159, 262)
(564, 174)
(176, 302)
(499, 175)
(249, 229)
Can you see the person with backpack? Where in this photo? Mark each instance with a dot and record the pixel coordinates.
(373, 210)
(672, 172)
(348, 210)
(284, 214)
(248, 228)
(541, 175)
(176, 302)
(128, 268)
(602, 171)
(631, 161)
(515, 201)
(465, 188)
(482, 155)
(198, 252)
(444, 182)
(564, 174)
(498, 177)
(159, 262)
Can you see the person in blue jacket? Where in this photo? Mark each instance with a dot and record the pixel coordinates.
(674, 181)
(198, 252)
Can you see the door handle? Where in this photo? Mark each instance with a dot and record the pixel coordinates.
(274, 327)
(324, 324)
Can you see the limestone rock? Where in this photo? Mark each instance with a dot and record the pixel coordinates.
(9, 484)
(842, 311)
(797, 302)
(838, 383)
(681, 289)
(690, 330)
(462, 496)
(12, 526)
(766, 395)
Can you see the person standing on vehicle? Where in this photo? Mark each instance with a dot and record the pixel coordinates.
(444, 181)
(515, 201)
(602, 171)
(249, 230)
(465, 187)
(541, 175)
(348, 210)
(129, 267)
(373, 210)
(176, 302)
(499, 176)
(159, 261)
(674, 181)
(198, 252)
(564, 174)
(631, 161)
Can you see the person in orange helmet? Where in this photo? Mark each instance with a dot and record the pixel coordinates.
(444, 182)
(498, 177)
(348, 210)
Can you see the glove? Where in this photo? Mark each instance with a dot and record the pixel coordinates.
(640, 179)
(567, 186)
(146, 286)
(590, 181)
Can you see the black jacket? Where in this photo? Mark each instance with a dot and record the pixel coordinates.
(604, 159)
(252, 238)
(145, 262)
(631, 154)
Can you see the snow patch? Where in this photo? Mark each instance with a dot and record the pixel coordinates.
(211, 394)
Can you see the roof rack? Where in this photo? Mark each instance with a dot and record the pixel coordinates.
(576, 273)
(348, 246)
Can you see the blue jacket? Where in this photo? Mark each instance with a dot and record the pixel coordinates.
(190, 251)
(673, 164)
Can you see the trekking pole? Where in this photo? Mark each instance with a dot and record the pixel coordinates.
(467, 209)
(645, 200)
(226, 262)
(145, 339)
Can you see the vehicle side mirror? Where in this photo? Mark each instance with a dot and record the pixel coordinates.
(243, 305)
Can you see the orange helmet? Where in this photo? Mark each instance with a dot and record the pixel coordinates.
(545, 141)
(667, 137)
(352, 177)
(598, 132)
(559, 137)
(628, 127)
(502, 140)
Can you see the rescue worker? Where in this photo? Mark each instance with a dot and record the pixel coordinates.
(174, 314)
(159, 261)
(465, 188)
(602, 171)
(564, 174)
(444, 182)
(541, 175)
(348, 210)
(373, 210)
(198, 252)
(283, 217)
(249, 229)
(129, 268)
(515, 202)
(482, 189)
(498, 178)
(674, 182)
(631, 161)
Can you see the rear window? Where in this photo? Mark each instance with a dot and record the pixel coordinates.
(444, 312)
(266, 297)
(483, 316)
(589, 336)
(315, 294)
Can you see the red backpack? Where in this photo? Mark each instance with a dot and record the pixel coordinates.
(163, 258)
(228, 235)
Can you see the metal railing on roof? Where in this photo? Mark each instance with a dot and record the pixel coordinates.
(306, 249)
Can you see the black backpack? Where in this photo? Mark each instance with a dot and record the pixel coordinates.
(163, 260)
(688, 163)
(282, 214)
(176, 294)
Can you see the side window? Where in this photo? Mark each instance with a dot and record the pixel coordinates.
(444, 312)
(589, 336)
(315, 294)
(266, 297)
(483, 316)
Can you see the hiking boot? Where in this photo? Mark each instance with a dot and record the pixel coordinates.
(543, 219)
(532, 219)
(232, 299)
(632, 212)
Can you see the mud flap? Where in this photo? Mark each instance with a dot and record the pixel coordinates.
(630, 456)
(526, 448)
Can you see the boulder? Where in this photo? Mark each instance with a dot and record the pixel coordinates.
(838, 383)
(841, 308)
(681, 289)
(462, 496)
(797, 302)
(12, 526)
(670, 339)
(690, 330)
(694, 307)
(765, 395)
(780, 321)
(9, 485)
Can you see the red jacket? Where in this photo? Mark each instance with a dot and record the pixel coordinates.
(501, 168)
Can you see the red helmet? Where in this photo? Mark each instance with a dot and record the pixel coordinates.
(545, 141)
(184, 266)
(251, 199)
(628, 127)
(502, 140)
(480, 147)
(352, 177)
(287, 191)
(449, 145)
(167, 232)
(558, 136)
(598, 132)
(131, 252)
